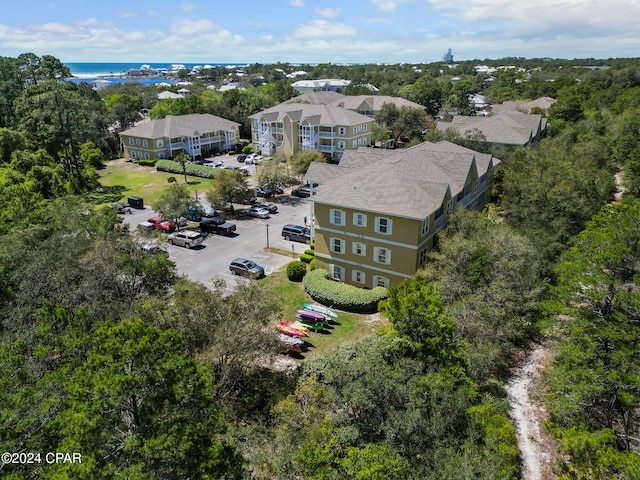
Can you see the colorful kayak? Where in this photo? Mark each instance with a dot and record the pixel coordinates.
(291, 343)
(293, 332)
(311, 316)
(320, 309)
(297, 326)
(310, 325)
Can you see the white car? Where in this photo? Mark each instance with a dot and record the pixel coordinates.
(253, 159)
(185, 239)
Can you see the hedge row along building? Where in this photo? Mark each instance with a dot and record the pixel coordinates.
(377, 212)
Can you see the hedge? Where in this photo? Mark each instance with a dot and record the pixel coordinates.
(296, 271)
(147, 163)
(306, 258)
(312, 264)
(191, 169)
(310, 252)
(340, 295)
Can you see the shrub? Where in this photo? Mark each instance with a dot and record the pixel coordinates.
(147, 163)
(312, 246)
(191, 169)
(340, 295)
(310, 252)
(296, 271)
(247, 149)
(171, 179)
(312, 265)
(306, 258)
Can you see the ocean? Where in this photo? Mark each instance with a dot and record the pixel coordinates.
(114, 72)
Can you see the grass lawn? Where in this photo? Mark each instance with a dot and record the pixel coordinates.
(120, 180)
(348, 328)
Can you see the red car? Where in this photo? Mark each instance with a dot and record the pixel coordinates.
(160, 224)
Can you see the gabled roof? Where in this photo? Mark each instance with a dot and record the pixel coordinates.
(523, 107)
(316, 98)
(315, 114)
(167, 94)
(410, 183)
(507, 128)
(375, 101)
(181, 126)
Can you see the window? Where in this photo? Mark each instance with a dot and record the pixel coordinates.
(355, 144)
(337, 272)
(342, 131)
(355, 129)
(137, 141)
(337, 217)
(382, 255)
(161, 155)
(159, 143)
(422, 258)
(146, 155)
(359, 248)
(359, 128)
(336, 245)
(425, 225)
(341, 145)
(383, 225)
(360, 219)
(132, 141)
(145, 143)
(365, 127)
(449, 206)
(379, 281)
(357, 276)
(133, 154)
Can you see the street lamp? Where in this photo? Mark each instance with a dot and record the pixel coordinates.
(267, 225)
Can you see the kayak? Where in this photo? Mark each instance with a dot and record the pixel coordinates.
(297, 326)
(293, 332)
(320, 309)
(311, 316)
(291, 343)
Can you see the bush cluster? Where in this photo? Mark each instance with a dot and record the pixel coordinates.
(191, 169)
(312, 265)
(306, 258)
(340, 295)
(296, 271)
(147, 163)
(310, 252)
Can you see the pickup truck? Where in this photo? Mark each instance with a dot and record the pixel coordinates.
(217, 225)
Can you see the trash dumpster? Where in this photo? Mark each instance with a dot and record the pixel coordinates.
(136, 202)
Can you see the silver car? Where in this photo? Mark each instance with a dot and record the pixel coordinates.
(258, 212)
(186, 239)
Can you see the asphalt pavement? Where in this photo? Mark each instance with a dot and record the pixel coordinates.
(210, 260)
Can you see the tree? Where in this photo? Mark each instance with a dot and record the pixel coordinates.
(403, 120)
(173, 202)
(123, 110)
(300, 162)
(229, 187)
(183, 158)
(429, 92)
(275, 174)
(91, 155)
(461, 92)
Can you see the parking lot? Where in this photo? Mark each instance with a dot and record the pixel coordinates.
(210, 260)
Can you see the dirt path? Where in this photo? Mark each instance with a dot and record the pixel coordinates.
(537, 449)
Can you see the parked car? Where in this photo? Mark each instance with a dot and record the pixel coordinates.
(186, 239)
(245, 171)
(217, 225)
(241, 158)
(208, 211)
(296, 233)
(257, 212)
(253, 159)
(302, 192)
(271, 207)
(193, 213)
(247, 268)
(160, 224)
(153, 249)
(122, 207)
(264, 192)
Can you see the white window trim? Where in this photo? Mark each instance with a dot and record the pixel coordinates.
(360, 215)
(376, 281)
(356, 273)
(355, 129)
(332, 241)
(332, 213)
(426, 225)
(354, 248)
(341, 145)
(342, 131)
(132, 141)
(387, 256)
(337, 272)
(389, 226)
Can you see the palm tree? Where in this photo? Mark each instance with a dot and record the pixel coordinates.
(183, 158)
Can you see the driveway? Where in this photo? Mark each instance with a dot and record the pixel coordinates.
(210, 261)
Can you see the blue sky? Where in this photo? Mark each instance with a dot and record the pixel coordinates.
(309, 31)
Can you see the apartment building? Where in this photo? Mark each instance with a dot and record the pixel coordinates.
(196, 134)
(376, 214)
(290, 128)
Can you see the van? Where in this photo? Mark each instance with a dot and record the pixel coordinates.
(297, 233)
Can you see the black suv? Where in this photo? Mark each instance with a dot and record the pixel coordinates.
(297, 233)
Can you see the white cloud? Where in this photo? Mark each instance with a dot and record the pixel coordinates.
(188, 7)
(322, 28)
(389, 5)
(296, 3)
(328, 12)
